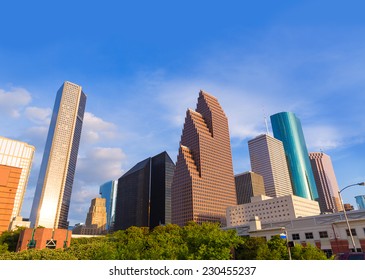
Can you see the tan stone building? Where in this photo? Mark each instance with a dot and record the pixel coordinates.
(248, 184)
(203, 184)
(95, 220)
(267, 157)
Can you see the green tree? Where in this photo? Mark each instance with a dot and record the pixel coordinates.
(96, 248)
(276, 250)
(209, 242)
(309, 252)
(249, 248)
(165, 243)
(34, 254)
(10, 239)
(131, 243)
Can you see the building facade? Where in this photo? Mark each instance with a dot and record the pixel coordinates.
(327, 232)
(53, 192)
(288, 129)
(17, 154)
(360, 201)
(144, 194)
(96, 219)
(9, 183)
(109, 191)
(267, 157)
(203, 185)
(271, 210)
(326, 182)
(41, 238)
(248, 184)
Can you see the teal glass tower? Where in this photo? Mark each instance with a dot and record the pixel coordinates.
(288, 129)
(108, 191)
(360, 201)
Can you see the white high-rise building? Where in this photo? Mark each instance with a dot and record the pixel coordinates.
(53, 194)
(268, 159)
(17, 154)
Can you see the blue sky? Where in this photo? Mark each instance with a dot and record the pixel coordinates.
(142, 65)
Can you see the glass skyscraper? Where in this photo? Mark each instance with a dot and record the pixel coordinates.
(360, 201)
(288, 129)
(144, 194)
(108, 191)
(53, 193)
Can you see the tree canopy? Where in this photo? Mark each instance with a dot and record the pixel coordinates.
(206, 241)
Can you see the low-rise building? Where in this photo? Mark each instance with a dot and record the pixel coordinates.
(268, 209)
(41, 238)
(329, 232)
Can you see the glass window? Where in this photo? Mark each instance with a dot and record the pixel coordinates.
(295, 236)
(323, 234)
(353, 231)
(309, 235)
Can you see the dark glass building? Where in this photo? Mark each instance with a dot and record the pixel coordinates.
(288, 129)
(248, 184)
(144, 194)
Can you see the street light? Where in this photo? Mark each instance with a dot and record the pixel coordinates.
(284, 235)
(344, 211)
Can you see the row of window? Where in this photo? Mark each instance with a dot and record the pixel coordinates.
(322, 234)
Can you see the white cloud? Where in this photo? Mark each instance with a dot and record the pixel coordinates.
(322, 137)
(38, 115)
(100, 164)
(13, 101)
(96, 129)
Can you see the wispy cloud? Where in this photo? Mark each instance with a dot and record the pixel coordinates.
(95, 129)
(37, 115)
(13, 101)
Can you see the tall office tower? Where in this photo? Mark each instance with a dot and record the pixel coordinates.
(268, 159)
(288, 129)
(248, 184)
(108, 191)
(9, 183)
(53, 193)
(97, 215)
(203, 185)
(326, 182)
(17, 154)
(144, 194)
(360, 201)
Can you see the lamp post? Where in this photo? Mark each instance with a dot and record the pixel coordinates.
(344, 211)
(283, 235)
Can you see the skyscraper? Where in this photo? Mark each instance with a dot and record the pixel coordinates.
(360, 201)
(17, 154)
(268, 159)
(144, 194)
(326, 182)
(203, 185)
(248, 184)
(288, 129)
(108, 191)
(53, 193)
(96, 217)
